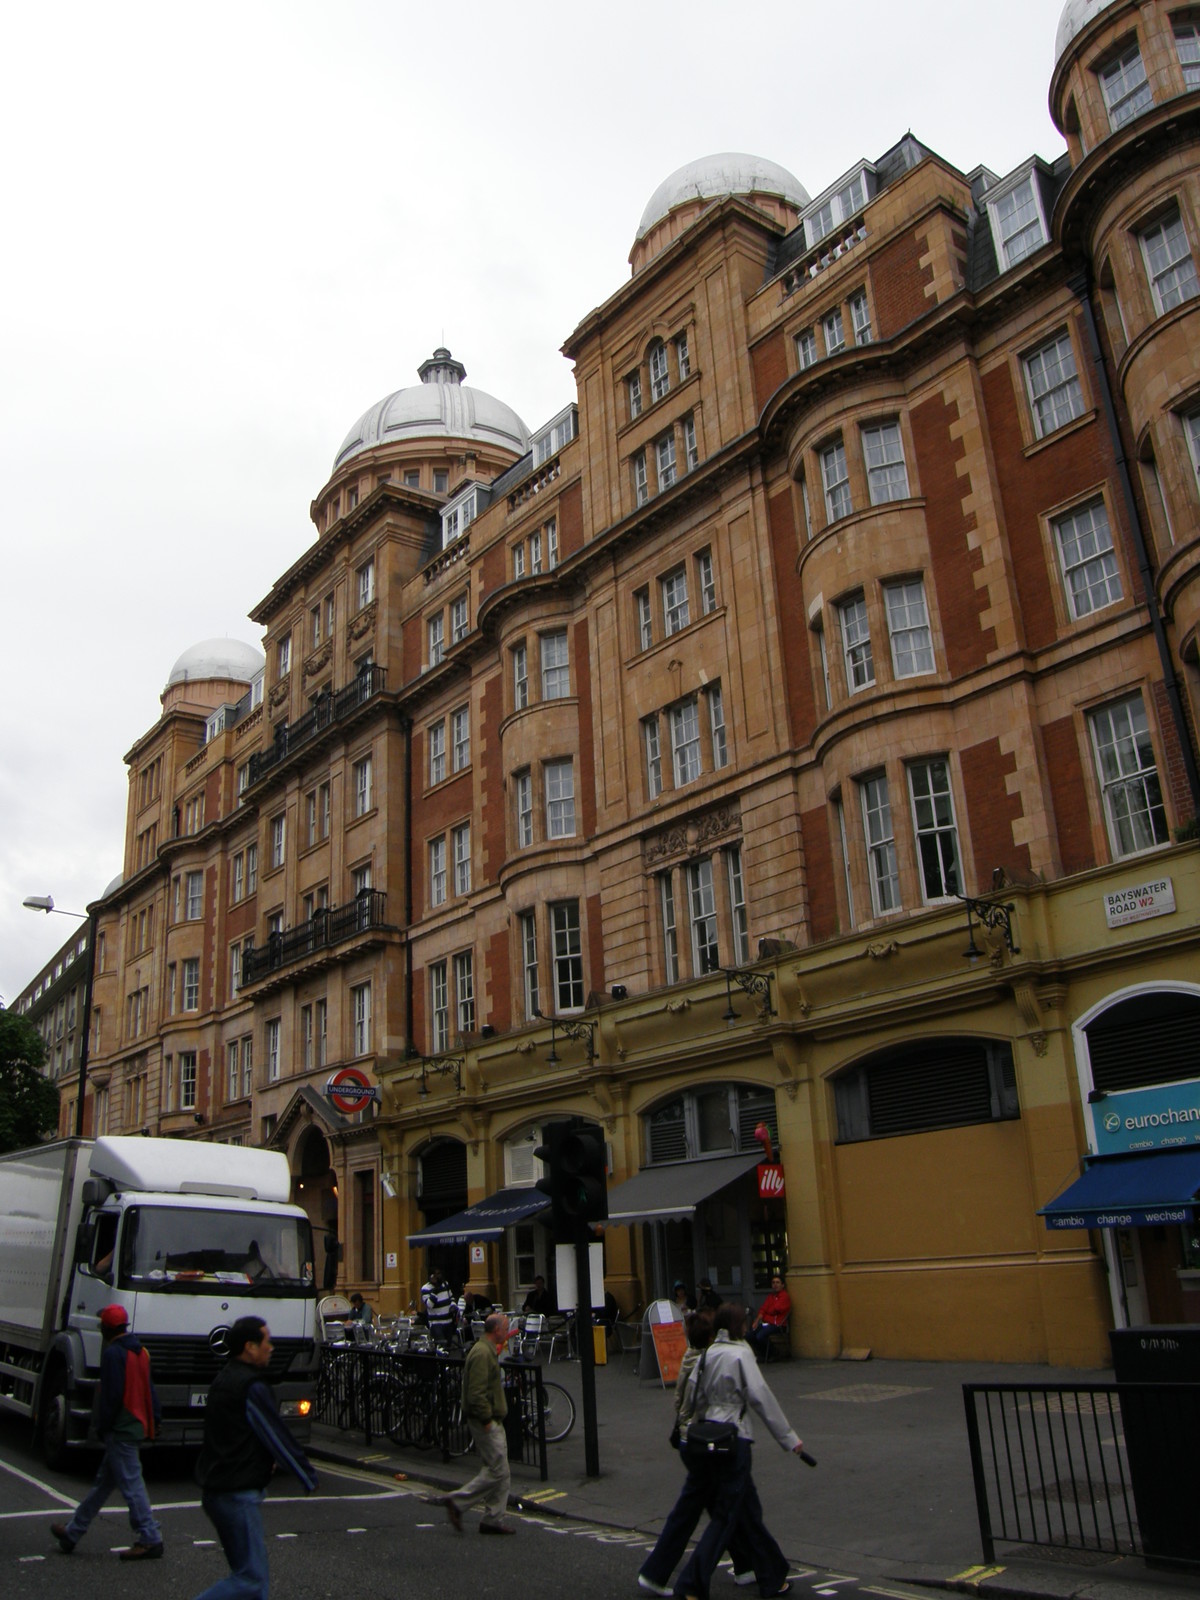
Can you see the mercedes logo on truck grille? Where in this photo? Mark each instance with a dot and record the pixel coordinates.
(218, 1340)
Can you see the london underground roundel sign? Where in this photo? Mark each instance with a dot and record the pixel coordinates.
(350, 1090)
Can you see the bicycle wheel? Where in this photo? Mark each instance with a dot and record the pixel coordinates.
(558, 1409)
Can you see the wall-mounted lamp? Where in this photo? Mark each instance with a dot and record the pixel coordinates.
(198, 1118)
(993, 916)
(619, 991)
(440, 1067)
(751, 983)
(580, 1031)
(487, 1031)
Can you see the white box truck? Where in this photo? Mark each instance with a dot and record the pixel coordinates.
(187, 1236)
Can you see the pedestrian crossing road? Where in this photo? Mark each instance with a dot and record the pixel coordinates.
(362, 1532)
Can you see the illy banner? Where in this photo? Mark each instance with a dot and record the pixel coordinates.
(770, 1180)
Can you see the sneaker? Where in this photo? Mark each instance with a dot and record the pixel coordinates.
(745, 1579)
(648, 1587)
(58, 1530)
(142, 1552)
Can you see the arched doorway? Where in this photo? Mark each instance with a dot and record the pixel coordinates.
(314, 1186)
(441, 1192)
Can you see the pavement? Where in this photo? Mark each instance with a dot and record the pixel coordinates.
(891, 1497)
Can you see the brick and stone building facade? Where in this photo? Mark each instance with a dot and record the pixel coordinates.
(638, 769)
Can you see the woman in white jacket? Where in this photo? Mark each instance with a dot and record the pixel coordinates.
(727, 1386)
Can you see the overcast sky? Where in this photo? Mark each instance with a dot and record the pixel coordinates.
(231, 229)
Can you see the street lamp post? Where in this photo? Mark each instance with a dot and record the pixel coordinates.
(45, 902)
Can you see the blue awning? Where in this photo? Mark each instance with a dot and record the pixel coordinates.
(1130, 1192)
(486, 1219)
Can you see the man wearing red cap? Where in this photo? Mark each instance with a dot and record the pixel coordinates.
(128, 1412)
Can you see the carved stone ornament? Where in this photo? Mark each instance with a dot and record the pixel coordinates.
(693, 837)
(882, 949)
(278, 695)
(677, 1007)
(363, 621)
(1039, 1043)
(318, 660)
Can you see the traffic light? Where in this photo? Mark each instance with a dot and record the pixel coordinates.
(550, 1154)
(575, 1180)
(584, 1182)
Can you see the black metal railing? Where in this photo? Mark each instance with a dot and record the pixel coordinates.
(413, 1398)
(1051, 1467)
(322, 931)
(327, 710)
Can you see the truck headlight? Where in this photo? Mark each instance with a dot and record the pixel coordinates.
(295, 1408)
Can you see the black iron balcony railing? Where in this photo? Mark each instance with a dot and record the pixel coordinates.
(322, 931)
(328, 709)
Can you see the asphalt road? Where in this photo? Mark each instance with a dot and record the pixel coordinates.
(361, 1535)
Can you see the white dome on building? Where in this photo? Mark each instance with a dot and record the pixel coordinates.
(440, 406)
(1076, 15)
(217, 658)
(712, 176)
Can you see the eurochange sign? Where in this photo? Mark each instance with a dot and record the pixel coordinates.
(1164, 1117)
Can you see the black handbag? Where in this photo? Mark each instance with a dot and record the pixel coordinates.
(707, 1439)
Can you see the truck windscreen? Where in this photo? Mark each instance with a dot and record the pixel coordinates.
(177, 1248)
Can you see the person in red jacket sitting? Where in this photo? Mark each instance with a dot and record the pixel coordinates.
(772, 1315)
(127, 1412)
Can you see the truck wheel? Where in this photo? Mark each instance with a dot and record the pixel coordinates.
(53, 1417)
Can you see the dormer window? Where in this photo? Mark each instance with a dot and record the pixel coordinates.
(1126, 91)
(839, 206)
(552, 439)
(1018, 226)
(457, 518)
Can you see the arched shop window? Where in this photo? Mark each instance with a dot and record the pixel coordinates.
(1149, 1038)
(716, 1121)
(929, 1084)
(442, 1182)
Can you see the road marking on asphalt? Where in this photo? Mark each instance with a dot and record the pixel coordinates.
(540, 1496)
(31, 1558)
(976, 1574)
(204, 1544)
(287, 1535)
(63, 1500)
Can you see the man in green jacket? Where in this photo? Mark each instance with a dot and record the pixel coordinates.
(485, 1409)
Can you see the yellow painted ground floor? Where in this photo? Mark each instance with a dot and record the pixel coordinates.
(923, 1108)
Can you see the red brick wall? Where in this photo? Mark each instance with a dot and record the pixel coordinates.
(1174, 779)
(412, 651)
(955, 564)
(769, 360)
(570, 520)
(586, 785)
(898, 283)
(819, 872)
(797, 664)
(498, 980)
(1028, 486)
(495, 567)
(991, 809)
(1060, 741)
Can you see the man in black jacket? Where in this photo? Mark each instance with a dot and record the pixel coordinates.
(244, 1440)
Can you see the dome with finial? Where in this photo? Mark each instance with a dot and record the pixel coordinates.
(441, 406)
(219, 660)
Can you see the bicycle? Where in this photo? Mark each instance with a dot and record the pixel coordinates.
(558, 1412)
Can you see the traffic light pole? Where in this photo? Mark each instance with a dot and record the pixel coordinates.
(587, 1351)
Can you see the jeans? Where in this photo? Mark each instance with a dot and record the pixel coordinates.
(237, 1517)
(733, 1507)
(681, 1524)
(490, 1483)
(120, 1468)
